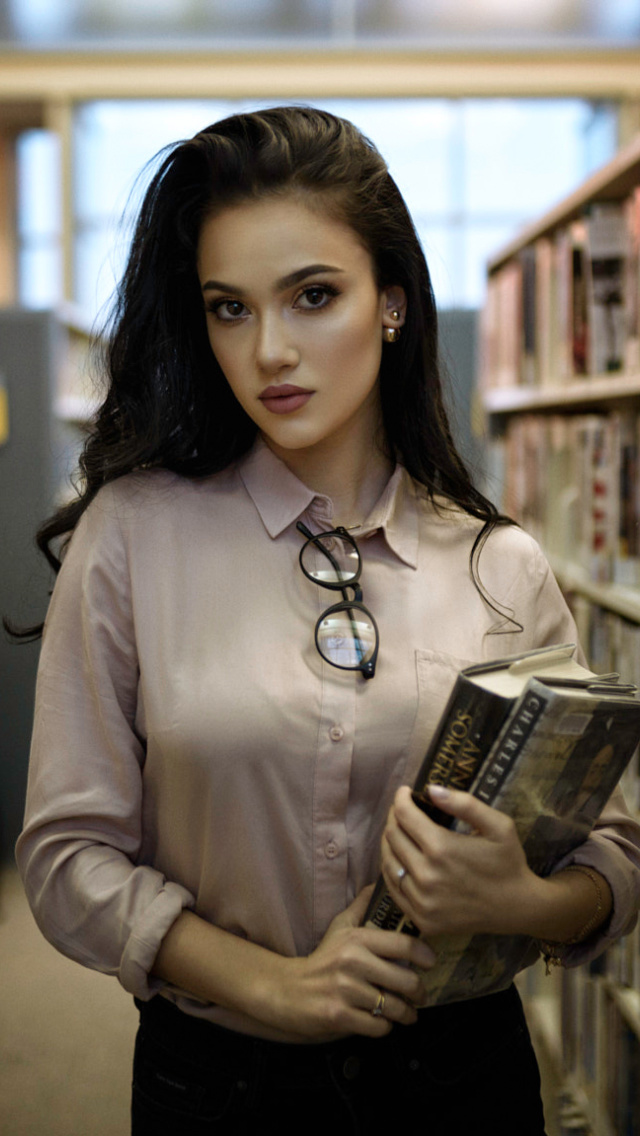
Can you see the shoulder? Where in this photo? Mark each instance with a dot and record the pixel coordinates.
(503, 544)
(149, 500)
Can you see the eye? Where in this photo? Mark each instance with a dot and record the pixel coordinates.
(227, 311)
(316, 296)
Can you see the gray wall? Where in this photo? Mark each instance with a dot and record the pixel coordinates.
(459, 356)
(28, 342)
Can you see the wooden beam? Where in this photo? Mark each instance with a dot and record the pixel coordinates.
(8, 243)
(38, 76)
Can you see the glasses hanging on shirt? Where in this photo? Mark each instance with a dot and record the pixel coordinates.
(346, 633)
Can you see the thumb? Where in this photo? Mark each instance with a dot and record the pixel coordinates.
(353, 915)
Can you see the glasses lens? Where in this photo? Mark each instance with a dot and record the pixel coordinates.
(346, 638)
(332, 560)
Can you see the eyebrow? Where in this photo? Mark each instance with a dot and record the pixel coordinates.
(281, 284)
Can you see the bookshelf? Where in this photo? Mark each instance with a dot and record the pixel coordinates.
(559, 387)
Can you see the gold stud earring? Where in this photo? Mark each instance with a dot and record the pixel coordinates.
(390, 334)
(395, 314)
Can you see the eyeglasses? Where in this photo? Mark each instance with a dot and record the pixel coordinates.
(346, 634)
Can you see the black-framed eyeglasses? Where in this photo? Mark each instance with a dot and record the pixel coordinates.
(346, 633)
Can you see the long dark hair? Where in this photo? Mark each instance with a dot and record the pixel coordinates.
(168, 403)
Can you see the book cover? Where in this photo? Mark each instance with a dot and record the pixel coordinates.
(552, 766)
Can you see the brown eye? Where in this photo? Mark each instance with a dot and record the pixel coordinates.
(317, 296)
(228, 310)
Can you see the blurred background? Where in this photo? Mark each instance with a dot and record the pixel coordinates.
(487, 111)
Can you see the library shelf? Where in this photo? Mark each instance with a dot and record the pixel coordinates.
(600, 392)
(547, 343)
(572, 577)
(627, 1001)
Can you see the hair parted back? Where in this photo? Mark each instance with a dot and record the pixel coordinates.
(168, 404)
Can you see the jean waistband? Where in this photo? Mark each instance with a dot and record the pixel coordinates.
(204, 1040)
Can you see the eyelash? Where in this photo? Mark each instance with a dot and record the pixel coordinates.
(328, 290)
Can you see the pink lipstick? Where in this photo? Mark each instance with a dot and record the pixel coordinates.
(284, 398)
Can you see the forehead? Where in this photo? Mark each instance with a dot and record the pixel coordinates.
(279, 231)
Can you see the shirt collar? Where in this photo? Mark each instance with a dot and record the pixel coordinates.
(281, 499)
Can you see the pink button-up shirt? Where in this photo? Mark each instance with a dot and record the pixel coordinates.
(190, 746)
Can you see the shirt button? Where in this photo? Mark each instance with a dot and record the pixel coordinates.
(331, 850)
(336, 733)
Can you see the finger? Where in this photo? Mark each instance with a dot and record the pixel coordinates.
(404, 983)
(404, 894)
(393, 1009)
(353, 915)
(399, 851)
(356, 909)
(484, 819)
(396, 948)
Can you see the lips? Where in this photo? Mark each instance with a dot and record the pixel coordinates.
(284, 398)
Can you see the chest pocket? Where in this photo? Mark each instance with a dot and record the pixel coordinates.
(436, 673)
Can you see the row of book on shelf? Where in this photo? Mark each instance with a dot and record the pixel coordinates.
(600, 1031)
(573, 481)
(568, 304)
(612, 644)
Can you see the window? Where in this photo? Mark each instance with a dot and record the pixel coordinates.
(473, 171)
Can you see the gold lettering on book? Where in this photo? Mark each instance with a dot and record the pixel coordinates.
(457, 758)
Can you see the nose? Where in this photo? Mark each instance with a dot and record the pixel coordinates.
(275, 347)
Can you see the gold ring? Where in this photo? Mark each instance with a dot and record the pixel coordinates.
(378, 1009)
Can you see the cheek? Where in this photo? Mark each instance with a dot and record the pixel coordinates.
(358, 341)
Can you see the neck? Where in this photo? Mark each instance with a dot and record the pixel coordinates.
(352, 478)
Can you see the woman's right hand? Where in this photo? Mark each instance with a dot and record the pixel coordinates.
(333, 991)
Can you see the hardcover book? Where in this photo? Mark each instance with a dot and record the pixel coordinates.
(543, 739)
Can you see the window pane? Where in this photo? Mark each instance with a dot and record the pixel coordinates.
(38, 183)
(40, 275)
(521, 155)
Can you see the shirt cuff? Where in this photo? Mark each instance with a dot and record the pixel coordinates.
(144, 942)
(622, 877)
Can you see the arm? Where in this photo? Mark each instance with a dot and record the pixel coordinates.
(482, 883)
(329, 994)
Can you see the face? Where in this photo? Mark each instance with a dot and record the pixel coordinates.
(295, 320)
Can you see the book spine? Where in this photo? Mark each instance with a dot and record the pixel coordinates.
(508, 746)
(471, 721)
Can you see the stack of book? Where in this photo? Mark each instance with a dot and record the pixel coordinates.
(543, 739)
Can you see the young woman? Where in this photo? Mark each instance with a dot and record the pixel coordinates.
(213, 787)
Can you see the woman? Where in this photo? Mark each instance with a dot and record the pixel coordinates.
(211, 794)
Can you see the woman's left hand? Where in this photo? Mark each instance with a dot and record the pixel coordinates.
(450, 882)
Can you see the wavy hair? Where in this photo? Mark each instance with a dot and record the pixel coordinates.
(168, 404)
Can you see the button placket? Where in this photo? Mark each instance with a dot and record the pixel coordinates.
(333, 777)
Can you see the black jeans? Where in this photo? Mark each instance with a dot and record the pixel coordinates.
(462, 1069)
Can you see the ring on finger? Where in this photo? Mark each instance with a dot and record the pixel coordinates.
(378, 1009)
(401, 873)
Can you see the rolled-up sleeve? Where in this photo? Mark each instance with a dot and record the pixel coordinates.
(78, 853)
(613, 850)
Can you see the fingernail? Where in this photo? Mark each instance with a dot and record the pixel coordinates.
(439, 792)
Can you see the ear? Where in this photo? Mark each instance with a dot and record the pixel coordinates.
(394, 306)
